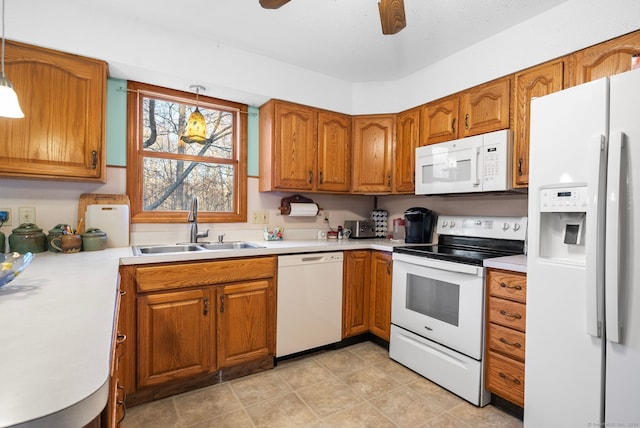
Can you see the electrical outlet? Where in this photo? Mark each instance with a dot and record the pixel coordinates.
(325, 213)
(26, 215)
(259, 217)
(5, 216)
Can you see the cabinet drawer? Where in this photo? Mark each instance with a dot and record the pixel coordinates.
(505, 377)
(507, 313)
(508, 285)
(507, 341)
(178, 275)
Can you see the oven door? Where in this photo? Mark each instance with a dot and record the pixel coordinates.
(442, 301)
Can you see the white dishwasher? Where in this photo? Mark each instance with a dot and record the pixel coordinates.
(309, 312)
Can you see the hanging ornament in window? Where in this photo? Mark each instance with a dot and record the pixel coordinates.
(196, 129)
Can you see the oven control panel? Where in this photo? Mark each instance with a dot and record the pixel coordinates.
(483, 227)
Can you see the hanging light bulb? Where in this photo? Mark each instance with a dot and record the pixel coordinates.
(196, 130)
(9, 105)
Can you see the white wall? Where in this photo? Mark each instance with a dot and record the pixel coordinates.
(68, 25)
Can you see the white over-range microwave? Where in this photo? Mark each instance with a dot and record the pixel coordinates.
(481, 163)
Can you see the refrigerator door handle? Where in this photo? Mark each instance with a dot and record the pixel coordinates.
(612, 249)
(595, 227)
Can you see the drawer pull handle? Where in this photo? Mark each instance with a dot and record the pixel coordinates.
(505, 377)
(514, 344)
(510, 315)
(121, 338)
(514, 287)
(205, 309)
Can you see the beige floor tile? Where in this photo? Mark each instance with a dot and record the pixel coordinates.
(369, 352)
(236, 419)
(281, 412)
(161, 413)
(258, 387)
(435, 393)
(369, 382)
(397, 371)
(205, 403)
(406, 407)
(303, 373)
(329, 397)
(485, 417)
(340, 362)
(361, 416)
(445, 420)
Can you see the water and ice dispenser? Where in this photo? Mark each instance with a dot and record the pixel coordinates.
(563, 215)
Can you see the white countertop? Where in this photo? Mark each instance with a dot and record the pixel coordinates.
(56, 324)
(517, 263)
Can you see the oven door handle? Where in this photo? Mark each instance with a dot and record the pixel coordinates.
(438, 264)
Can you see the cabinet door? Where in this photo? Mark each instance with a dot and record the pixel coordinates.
(334, 152)
(380, 307)
(246, 322)
(177, 340)
(485, 108)
(535, 82)
(372, 152)
(355, 292)
(407, 140)
(604, 59)
(293, 147)
(439, 120)
(62, 135)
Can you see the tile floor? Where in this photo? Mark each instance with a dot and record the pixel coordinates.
(356, 386)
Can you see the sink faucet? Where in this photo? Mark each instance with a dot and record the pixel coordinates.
(193, 219)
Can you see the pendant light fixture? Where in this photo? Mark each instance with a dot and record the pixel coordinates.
(9, 106)
(196, 131)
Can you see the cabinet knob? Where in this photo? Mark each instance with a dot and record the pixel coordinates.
(520, 167)
(94, 159)
(205, 310)
(310, 177)
(222, 303)
(453, 125)
(466, 121)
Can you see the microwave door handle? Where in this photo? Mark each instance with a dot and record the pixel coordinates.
(474, 168)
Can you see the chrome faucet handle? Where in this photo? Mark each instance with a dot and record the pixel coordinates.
(220, 238)
(193, 213)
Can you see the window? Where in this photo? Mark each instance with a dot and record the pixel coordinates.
(166, 169)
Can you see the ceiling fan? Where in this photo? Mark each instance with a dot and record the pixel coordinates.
(392, 15)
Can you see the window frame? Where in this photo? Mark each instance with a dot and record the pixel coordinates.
(135, 156)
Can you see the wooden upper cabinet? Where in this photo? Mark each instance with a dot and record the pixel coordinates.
(485, 108)
(63, 97)
(334, 152)
(534, 82)
(440, 120)
(604, 59)
(373, 145)
(478, 110)
(287, 146)
(407, 140)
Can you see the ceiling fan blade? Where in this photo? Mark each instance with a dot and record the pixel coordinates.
(392, 16)
(273, 4)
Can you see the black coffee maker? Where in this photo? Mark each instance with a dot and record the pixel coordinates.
(418, 225)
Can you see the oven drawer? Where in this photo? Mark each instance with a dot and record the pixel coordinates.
(506, 341)
(507, 313)
(508, 285)
(505, 377)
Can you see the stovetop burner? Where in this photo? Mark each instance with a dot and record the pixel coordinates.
(459, 246)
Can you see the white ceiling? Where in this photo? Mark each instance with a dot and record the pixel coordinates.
(339, 38)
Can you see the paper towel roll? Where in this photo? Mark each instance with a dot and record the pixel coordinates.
(303, 209)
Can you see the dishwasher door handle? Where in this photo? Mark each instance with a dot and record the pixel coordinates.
(312, 259)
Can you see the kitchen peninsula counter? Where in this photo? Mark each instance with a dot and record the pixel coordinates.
(56, 327)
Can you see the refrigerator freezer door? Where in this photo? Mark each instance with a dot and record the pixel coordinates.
(564, 364)
(622, 405)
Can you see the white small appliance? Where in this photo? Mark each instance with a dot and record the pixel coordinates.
(438, 300)
(481, 163)
(583, 283)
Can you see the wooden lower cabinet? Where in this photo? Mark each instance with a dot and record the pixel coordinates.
(366, 301)
(380, 298)
(194, 324)
(506, 320)
(246, 322)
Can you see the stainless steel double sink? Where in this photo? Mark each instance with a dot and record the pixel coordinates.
(141, 250)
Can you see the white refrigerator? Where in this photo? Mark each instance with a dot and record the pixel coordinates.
(582, 360)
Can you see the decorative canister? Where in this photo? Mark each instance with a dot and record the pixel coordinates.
(93, 240)
(1, 243)
(54, 233)
(27, 237)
